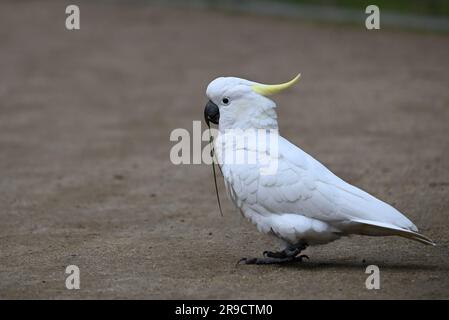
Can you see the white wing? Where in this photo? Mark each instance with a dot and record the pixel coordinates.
(302, 185)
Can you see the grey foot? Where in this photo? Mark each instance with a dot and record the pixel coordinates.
(289, 254)
(289, 251)
(269, 260)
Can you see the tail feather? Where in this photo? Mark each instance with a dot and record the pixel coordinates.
(374, 228)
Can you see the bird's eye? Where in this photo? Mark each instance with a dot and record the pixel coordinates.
(225, 101)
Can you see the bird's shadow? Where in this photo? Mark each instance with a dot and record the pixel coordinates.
(321, 265)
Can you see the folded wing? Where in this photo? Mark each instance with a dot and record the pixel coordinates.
(302, 185)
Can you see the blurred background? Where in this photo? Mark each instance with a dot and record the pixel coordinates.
(404, 14)
(417, 7)
(85, 120)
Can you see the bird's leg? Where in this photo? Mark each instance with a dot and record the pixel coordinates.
(290, 253)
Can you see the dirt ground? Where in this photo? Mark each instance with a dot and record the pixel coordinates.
(85, 120)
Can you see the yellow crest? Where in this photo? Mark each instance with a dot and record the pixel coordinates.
(268, 89)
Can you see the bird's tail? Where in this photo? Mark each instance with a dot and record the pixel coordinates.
(374, 228)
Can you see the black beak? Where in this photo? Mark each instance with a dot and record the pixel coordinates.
(211, 113)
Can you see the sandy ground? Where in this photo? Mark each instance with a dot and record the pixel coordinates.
(85, 119)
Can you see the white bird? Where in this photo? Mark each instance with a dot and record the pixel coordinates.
(301, 202)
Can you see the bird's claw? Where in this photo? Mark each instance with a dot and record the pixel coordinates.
(302, 257)
(247, 261)
(271, 254)
(289, 254)
(271, 260)
(259, 261)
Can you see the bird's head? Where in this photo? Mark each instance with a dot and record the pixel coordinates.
(236, 103)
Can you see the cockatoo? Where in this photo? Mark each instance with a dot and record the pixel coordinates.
(301, 202)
